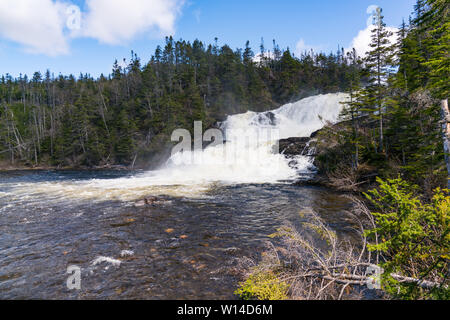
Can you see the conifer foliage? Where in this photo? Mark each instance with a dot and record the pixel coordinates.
(394, 109)
(127, 117)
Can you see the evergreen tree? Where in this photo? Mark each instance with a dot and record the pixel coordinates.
(379, 61)
(353, 106)
(69, 121)
(436, 24)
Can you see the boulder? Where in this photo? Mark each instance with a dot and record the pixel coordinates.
(295, 146)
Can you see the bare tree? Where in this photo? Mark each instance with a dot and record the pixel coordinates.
(317, 265)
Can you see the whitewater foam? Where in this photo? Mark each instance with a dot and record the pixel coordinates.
(101, 259)
(227, 163)
(126, 253)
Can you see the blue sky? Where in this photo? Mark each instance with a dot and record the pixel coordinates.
(38, 38)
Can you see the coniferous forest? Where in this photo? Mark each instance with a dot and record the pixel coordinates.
(393, 122)
(127, 117)
(381, 204)
(390, 149)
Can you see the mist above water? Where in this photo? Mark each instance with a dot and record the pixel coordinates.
(249, 160)
(183, 246)
(248, 155)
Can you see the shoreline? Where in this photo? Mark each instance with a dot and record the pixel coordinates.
(68, 168)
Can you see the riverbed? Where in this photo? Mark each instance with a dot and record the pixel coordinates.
(182, 245)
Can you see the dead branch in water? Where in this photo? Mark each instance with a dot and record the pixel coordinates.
(327, 269)
(345, 179)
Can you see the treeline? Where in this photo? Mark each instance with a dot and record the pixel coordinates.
(128, 116)
(393, 121)
(391, 140)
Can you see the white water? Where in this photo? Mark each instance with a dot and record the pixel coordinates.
(253, 161)
(236, 162)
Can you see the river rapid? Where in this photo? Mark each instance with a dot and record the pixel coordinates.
(184, 242)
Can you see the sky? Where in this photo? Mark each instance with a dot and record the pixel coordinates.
(86, 36)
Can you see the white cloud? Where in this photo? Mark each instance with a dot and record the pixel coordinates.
(361, 42)
(301, 47)
(41, 26)
(36, 24)
(117, 21)
(268, 55)
(197, 15)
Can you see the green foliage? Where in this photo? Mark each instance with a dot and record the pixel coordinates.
(65, 121)
(412, 236)
(391, 122)
(434, 24)
(263, 285)
(393, 126)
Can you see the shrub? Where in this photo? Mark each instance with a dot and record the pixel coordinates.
(263, 285)
(413, 238)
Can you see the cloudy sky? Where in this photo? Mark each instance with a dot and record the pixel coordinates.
(73, 36)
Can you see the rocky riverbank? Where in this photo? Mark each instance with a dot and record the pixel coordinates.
(318, 147)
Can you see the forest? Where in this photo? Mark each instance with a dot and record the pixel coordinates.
(393, 123)
(126, 118)
(389, 154)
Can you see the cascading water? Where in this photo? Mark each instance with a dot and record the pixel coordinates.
(172, 233)
(299, 119)
(235, 162)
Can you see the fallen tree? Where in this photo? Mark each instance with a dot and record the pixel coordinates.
(314, 264)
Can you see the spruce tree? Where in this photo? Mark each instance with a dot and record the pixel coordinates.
(435, 23)
(352, 107)
(379, 61)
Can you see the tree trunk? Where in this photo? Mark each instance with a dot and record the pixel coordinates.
(446, 135)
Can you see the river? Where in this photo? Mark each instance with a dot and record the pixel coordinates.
(185, 244)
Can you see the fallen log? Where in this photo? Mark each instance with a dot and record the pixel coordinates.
(354, 279)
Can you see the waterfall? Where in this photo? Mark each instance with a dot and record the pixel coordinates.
(248, 156)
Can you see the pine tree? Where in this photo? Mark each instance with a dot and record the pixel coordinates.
(435, 23)
(117, 70)
(247, 56)
(379, 61)
(72, 121)
(353, 106)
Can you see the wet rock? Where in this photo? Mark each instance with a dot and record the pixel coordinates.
(316, 133)
(150, 201)
(232, 250)
(267, 118)
(294, 146)
(126, 223)
(174, 243)
(140, 203)
(313, 180)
